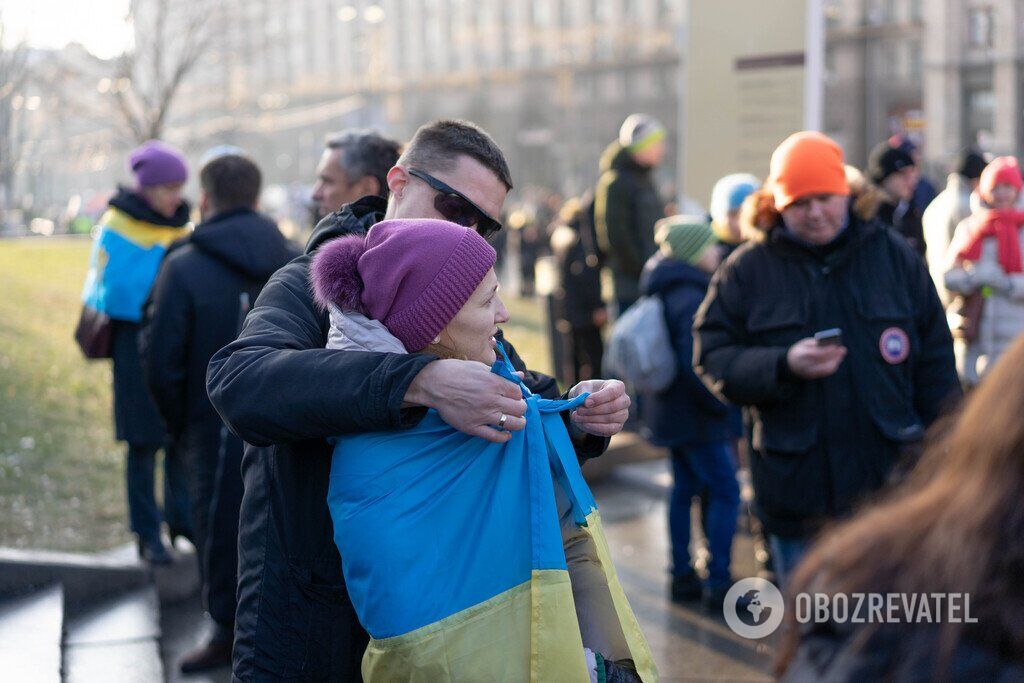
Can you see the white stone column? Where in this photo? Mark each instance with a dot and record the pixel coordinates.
(1006, 84)
(943, 49)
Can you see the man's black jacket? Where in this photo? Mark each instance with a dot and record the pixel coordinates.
(626, 208)
(908, 224)
(278, 388)
(821, 445)
(578, 295)
(197, 306)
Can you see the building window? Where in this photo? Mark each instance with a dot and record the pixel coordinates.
(889, 67)
(914, 70)
(833, 14)
(890, 11)
(916, 11)
(980, 105)
(541, 13)
(612, 86)
(980, 27)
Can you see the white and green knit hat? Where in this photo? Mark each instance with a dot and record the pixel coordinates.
(684, 238)
(639, 131)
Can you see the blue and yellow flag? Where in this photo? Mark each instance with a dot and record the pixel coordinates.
(453, 553)
(126, 256)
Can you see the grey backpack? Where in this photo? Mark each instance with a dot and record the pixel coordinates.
(640, 347)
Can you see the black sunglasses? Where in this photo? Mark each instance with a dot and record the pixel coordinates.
(457, 207)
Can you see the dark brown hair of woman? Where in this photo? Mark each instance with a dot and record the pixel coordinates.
(955, 525)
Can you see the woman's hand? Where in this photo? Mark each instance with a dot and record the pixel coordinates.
(605, 411)
(469, 397)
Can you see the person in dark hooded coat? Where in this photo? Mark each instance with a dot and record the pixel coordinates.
(205, 288)
(687, 418)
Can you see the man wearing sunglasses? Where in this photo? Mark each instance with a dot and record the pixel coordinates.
(278, 388)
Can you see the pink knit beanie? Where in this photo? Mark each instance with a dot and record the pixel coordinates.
(412, 275)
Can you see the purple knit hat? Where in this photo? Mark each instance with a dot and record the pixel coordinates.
(412, 275)
(156, 163)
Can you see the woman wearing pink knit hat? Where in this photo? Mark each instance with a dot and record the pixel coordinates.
(986, 275)
(452, 545)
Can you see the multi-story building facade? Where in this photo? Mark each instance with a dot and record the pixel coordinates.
(947, 71)
(974, 72)
(874, 72)
(550, 79)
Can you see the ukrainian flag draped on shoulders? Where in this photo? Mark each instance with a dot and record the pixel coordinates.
(453, 554)
(130, 242)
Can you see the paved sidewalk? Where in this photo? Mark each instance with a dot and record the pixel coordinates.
(688, 644)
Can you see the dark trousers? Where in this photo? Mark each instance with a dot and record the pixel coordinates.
(787, 552)
(215, 482)
(709, 467)
(582, 351)
(201, 442)
(143, 511)
(221, 556)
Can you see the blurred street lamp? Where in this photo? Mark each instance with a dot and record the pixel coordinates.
(374, 14)
(17, 101)
(347, 13)
(104, 85)
(32, 103)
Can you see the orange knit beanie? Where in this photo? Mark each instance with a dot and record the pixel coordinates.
(806, 163)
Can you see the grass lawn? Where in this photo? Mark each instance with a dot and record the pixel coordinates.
(61, 472)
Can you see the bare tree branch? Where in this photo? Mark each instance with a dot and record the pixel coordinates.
(150, 76)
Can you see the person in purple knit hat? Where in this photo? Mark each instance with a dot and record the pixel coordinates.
(133, 236)
(428, 285)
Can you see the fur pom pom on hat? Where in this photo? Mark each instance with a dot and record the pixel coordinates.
(411, 275)
(335, 274)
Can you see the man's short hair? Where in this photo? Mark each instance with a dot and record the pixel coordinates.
(436, 147)
(365, 153)
(231, 181)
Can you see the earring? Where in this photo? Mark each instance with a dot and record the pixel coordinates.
(437, 340)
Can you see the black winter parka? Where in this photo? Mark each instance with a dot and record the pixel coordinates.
(821, 445)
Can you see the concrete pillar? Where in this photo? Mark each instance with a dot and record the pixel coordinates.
(943, 89)
(1005, 81)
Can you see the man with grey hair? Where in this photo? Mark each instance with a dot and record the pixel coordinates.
(354, 164)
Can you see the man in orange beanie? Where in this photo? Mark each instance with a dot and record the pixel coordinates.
(807, 163)
(828, 330)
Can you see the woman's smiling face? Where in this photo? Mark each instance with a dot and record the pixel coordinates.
(470, 334)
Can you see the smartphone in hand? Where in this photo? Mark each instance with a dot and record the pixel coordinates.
(832, 337)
